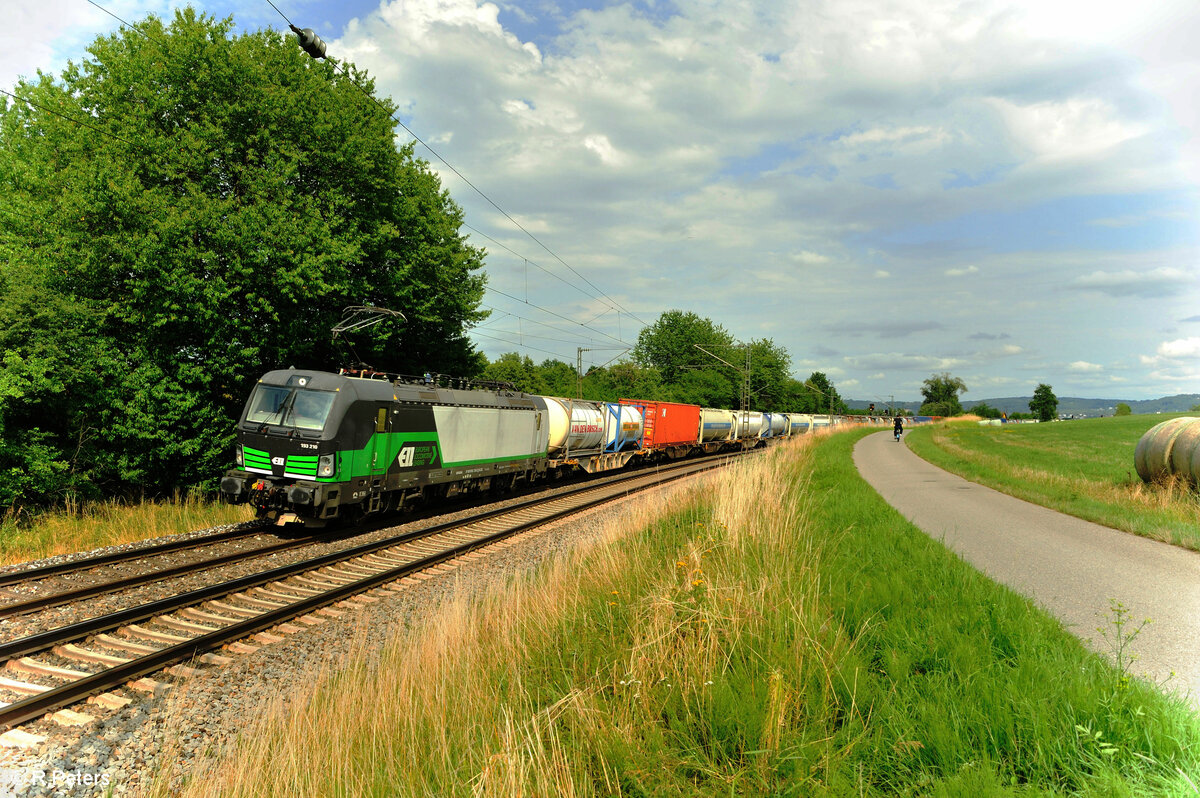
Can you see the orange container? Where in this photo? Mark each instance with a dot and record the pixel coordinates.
(668, 423)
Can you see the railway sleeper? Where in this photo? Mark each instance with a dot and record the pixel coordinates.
(155, 635)
(72, 651)
(110, 700)
(22, 688)
(241, 612)
(185, 626)
(316, 583)
(121, 644)
(255, 601)
(69, 717)
(148, 685)
(202, 616)
(293, 595)
(31, 665)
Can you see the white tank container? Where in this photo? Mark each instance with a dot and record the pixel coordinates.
(749, 425)
(800, 423)
(779, 424)
(574, 424)
(716, 425)
(622, 426)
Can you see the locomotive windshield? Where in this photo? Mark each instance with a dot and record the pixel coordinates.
(289, 407)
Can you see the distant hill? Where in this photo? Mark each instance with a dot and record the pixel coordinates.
(1067, 405)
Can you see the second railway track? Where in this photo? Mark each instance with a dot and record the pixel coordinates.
(120, 648)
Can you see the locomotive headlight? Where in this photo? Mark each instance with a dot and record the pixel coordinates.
(325, 465)
(237, 455)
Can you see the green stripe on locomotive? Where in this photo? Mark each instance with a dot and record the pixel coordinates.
(388, 452)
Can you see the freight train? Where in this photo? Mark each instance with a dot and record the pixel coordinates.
(315, 446)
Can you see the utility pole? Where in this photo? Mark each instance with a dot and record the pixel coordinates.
(579, 350)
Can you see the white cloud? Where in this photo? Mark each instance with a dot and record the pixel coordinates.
(810, 258)
(1083, 367)
(892, 362)
(1163, 281)
(1180, 348)
(600, 145)
(962, 272)
(1075, 129)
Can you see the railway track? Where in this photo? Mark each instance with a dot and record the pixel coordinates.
(23, 606)
(33, 589)
(21, 576)
(121, 648)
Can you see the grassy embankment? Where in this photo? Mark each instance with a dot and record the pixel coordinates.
(810, 644)
(92, 526)
(1084, 468)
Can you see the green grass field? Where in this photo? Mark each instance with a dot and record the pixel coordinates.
(1084, 468)
(779, 630)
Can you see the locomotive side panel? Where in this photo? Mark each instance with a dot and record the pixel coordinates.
(473, 436)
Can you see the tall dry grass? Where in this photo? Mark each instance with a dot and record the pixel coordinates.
(82, 527)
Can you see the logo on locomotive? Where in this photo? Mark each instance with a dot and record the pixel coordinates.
(417, 455)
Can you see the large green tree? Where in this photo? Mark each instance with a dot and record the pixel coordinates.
(817, 395)
(671, 345)
(770, 370)
(941, 395)
(183, 210)
(1044, 403)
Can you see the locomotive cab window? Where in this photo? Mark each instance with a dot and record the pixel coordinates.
(289, 407)
(381, 418)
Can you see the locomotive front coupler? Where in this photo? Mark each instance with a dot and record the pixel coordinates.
(264, 496)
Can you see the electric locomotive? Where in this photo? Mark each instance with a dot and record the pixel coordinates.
(314, 446)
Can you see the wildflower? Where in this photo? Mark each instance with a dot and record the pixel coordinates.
(697, 583)
(681, 564)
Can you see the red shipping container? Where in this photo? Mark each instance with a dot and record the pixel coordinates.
(668, 424)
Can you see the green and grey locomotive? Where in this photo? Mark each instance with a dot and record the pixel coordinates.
(313, 446)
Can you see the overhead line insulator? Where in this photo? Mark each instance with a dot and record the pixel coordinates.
(310, 42)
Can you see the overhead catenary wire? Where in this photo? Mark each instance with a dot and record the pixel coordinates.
(552, 313)
(506, 314)
(565, 358)
(461, 176)
(529, 262)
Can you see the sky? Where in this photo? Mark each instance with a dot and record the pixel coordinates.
(1005, 191)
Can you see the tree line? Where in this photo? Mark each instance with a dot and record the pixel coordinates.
(681, 357)
(941, 394)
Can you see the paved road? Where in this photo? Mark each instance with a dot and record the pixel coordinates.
(1068, 566)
